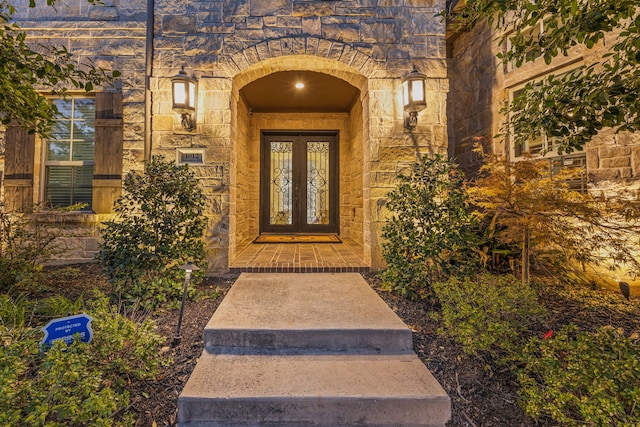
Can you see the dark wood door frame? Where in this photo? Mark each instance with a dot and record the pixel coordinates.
(299, 204)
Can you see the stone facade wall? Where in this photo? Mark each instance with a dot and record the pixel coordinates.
(473, 95)
(76, 236)
(227, 44)
(613, 163)
(112, 36)
(370, 46)
(480, 84)
(352, 197)
(246, 197)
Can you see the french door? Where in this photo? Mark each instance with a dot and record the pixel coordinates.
(299, 182)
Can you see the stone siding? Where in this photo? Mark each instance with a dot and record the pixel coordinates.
(480, 84)
(227, 44)
(472, 98)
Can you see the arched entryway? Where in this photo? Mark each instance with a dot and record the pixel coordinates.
(299, 154)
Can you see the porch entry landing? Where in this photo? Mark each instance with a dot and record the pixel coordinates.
(342, 257)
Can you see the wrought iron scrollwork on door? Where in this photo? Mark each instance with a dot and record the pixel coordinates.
(281, 180)
(317, 182)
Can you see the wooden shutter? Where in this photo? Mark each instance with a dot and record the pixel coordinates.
(18, 169)
(107, 172)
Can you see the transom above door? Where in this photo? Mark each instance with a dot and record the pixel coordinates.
(299, 182)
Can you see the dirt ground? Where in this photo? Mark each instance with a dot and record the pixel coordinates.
(480, 396)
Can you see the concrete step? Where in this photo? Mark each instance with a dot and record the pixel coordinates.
(301, 349)
(312, 390)
(291, 312)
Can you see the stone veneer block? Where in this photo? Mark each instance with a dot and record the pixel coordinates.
(178, 24)
(270, 7)
(103, 13)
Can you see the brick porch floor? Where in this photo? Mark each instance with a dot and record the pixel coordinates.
(300, 258)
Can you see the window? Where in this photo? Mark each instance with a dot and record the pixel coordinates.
(532, 147)
(69, 154)
(572, 161)
(536, 146)
(84, 151)
(532, 53)
(545, 146)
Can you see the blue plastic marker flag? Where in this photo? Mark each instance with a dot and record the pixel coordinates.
(67, 328)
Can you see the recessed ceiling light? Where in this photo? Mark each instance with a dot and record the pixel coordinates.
(299, 85)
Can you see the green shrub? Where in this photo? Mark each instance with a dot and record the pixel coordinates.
(580, 378)
(157, 291)
(123, 347)
(68, 389)
(83, 384)
(488, 313)
(427, 235)
(159, 226)
(26, 241)
(14, 312)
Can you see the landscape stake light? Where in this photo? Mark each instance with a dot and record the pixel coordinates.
(414, 97)
(188, 268)
(184, 92)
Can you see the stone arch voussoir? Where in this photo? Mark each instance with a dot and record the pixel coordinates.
(294, 53)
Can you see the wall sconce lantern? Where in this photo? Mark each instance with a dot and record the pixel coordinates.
(184, 90)
(414, 97)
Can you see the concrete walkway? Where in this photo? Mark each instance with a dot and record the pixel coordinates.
(296, 349)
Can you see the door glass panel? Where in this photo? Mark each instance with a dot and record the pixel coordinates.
(281, 183)
(317, 182)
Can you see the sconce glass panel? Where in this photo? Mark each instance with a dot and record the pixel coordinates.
(405, 94)
(179, 93)
(192, 95)
(184, 92)
(413, 91)
(417, 91)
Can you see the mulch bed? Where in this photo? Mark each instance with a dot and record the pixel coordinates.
(480, 396)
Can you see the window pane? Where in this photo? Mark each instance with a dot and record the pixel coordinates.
(84, 109)
(67, 185)
(82, 189)
(83, 130)
(317, 182)
(58, 189)
(58, 150)
(83, 150)
(61, 130)
(518, 149)
(533, 146)
(64, 107)
(536, 145)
